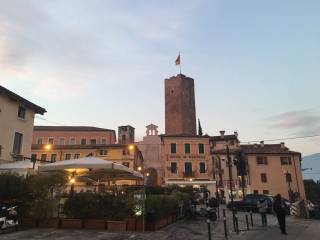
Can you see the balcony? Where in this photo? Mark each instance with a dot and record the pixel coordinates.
(189, 174)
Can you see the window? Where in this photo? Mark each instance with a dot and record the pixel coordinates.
(33, 156)
(265, 191)
(68, 156)
(263, 177)
(53, 157)
(83, 141)
(125, 151)
(43, 157)
(127, 164)
(61, 141)
(103, 141)
(173, 148)
(103, 152)
(72, 141)
(93, 141)
(22, 112)
(188, 167)
(285, 160)
(187, 148)
(50, 140)
(17, 143)
(76, 155)
(202, 167)
(255, 192)
(39, 141)
(173, 167)
(288, 177)
(201, 148)
(262, 160)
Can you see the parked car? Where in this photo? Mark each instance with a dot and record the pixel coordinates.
(250, 202)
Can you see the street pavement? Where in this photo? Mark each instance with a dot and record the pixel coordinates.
(195, 229)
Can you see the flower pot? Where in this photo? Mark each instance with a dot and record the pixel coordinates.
(117, 226)
(132, 223)
(49, 223)
(71, 223)
(94, 224)
(27, 222)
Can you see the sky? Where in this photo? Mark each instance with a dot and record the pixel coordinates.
(103, 63)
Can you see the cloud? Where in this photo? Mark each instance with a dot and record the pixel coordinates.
(63, 45)
(303, 121)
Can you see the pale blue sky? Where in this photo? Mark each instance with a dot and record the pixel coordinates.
(103, 63)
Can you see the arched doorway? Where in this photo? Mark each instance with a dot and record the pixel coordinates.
(152, 177)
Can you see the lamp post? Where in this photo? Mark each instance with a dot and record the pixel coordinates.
(288, 180)
(229, 163)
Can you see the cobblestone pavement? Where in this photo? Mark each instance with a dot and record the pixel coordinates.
(182, 230)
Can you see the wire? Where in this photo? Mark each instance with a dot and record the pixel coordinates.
(287, 138)
(49, 121)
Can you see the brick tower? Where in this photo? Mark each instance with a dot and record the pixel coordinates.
(180, 110)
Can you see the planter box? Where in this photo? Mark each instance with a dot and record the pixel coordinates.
(71, 223)
(117, 226)
(49, 223)
(94, 224)
(132, 223)
(28, 222)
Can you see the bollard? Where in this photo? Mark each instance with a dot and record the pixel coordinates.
(237, 224)
(247, 221)
(251, 219)
(209, 229)
(225, 223)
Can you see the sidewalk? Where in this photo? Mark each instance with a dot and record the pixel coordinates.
(297, 229)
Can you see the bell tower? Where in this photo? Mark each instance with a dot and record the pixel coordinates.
(180, 110)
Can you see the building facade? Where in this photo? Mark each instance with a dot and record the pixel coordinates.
(151, 149)
(54, 143)
(72, 135)
(273, 169)
(16, 125)
(269, 168)
(187, 161)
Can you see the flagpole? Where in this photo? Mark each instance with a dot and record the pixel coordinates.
(180, 62)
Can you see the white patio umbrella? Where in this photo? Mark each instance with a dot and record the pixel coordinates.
(93, 167)
(20, 167)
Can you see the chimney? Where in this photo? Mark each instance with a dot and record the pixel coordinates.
(236, 133)
(282, 145)
(222, 132)
(262, 143)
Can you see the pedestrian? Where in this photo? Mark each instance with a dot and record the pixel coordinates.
(263, 208)
(279, 209)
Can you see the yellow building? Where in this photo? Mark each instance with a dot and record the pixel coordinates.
(187, 161)
(270, 168)
(273, 169)
(16, 125)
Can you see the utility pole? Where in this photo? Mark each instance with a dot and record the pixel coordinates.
(229, 162)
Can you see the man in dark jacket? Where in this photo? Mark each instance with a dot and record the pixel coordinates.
(279, 209)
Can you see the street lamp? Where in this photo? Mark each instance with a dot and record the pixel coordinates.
(229, 163)
(47, 147)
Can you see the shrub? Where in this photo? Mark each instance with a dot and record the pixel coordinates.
(160, 206)
(92, 205)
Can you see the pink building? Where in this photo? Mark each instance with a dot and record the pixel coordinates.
(72, 135)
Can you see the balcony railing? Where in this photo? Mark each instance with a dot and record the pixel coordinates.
(189, 174)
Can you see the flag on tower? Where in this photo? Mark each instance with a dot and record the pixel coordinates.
(178, 60)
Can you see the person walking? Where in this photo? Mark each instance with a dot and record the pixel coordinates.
(279, 209)
(263, 208)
